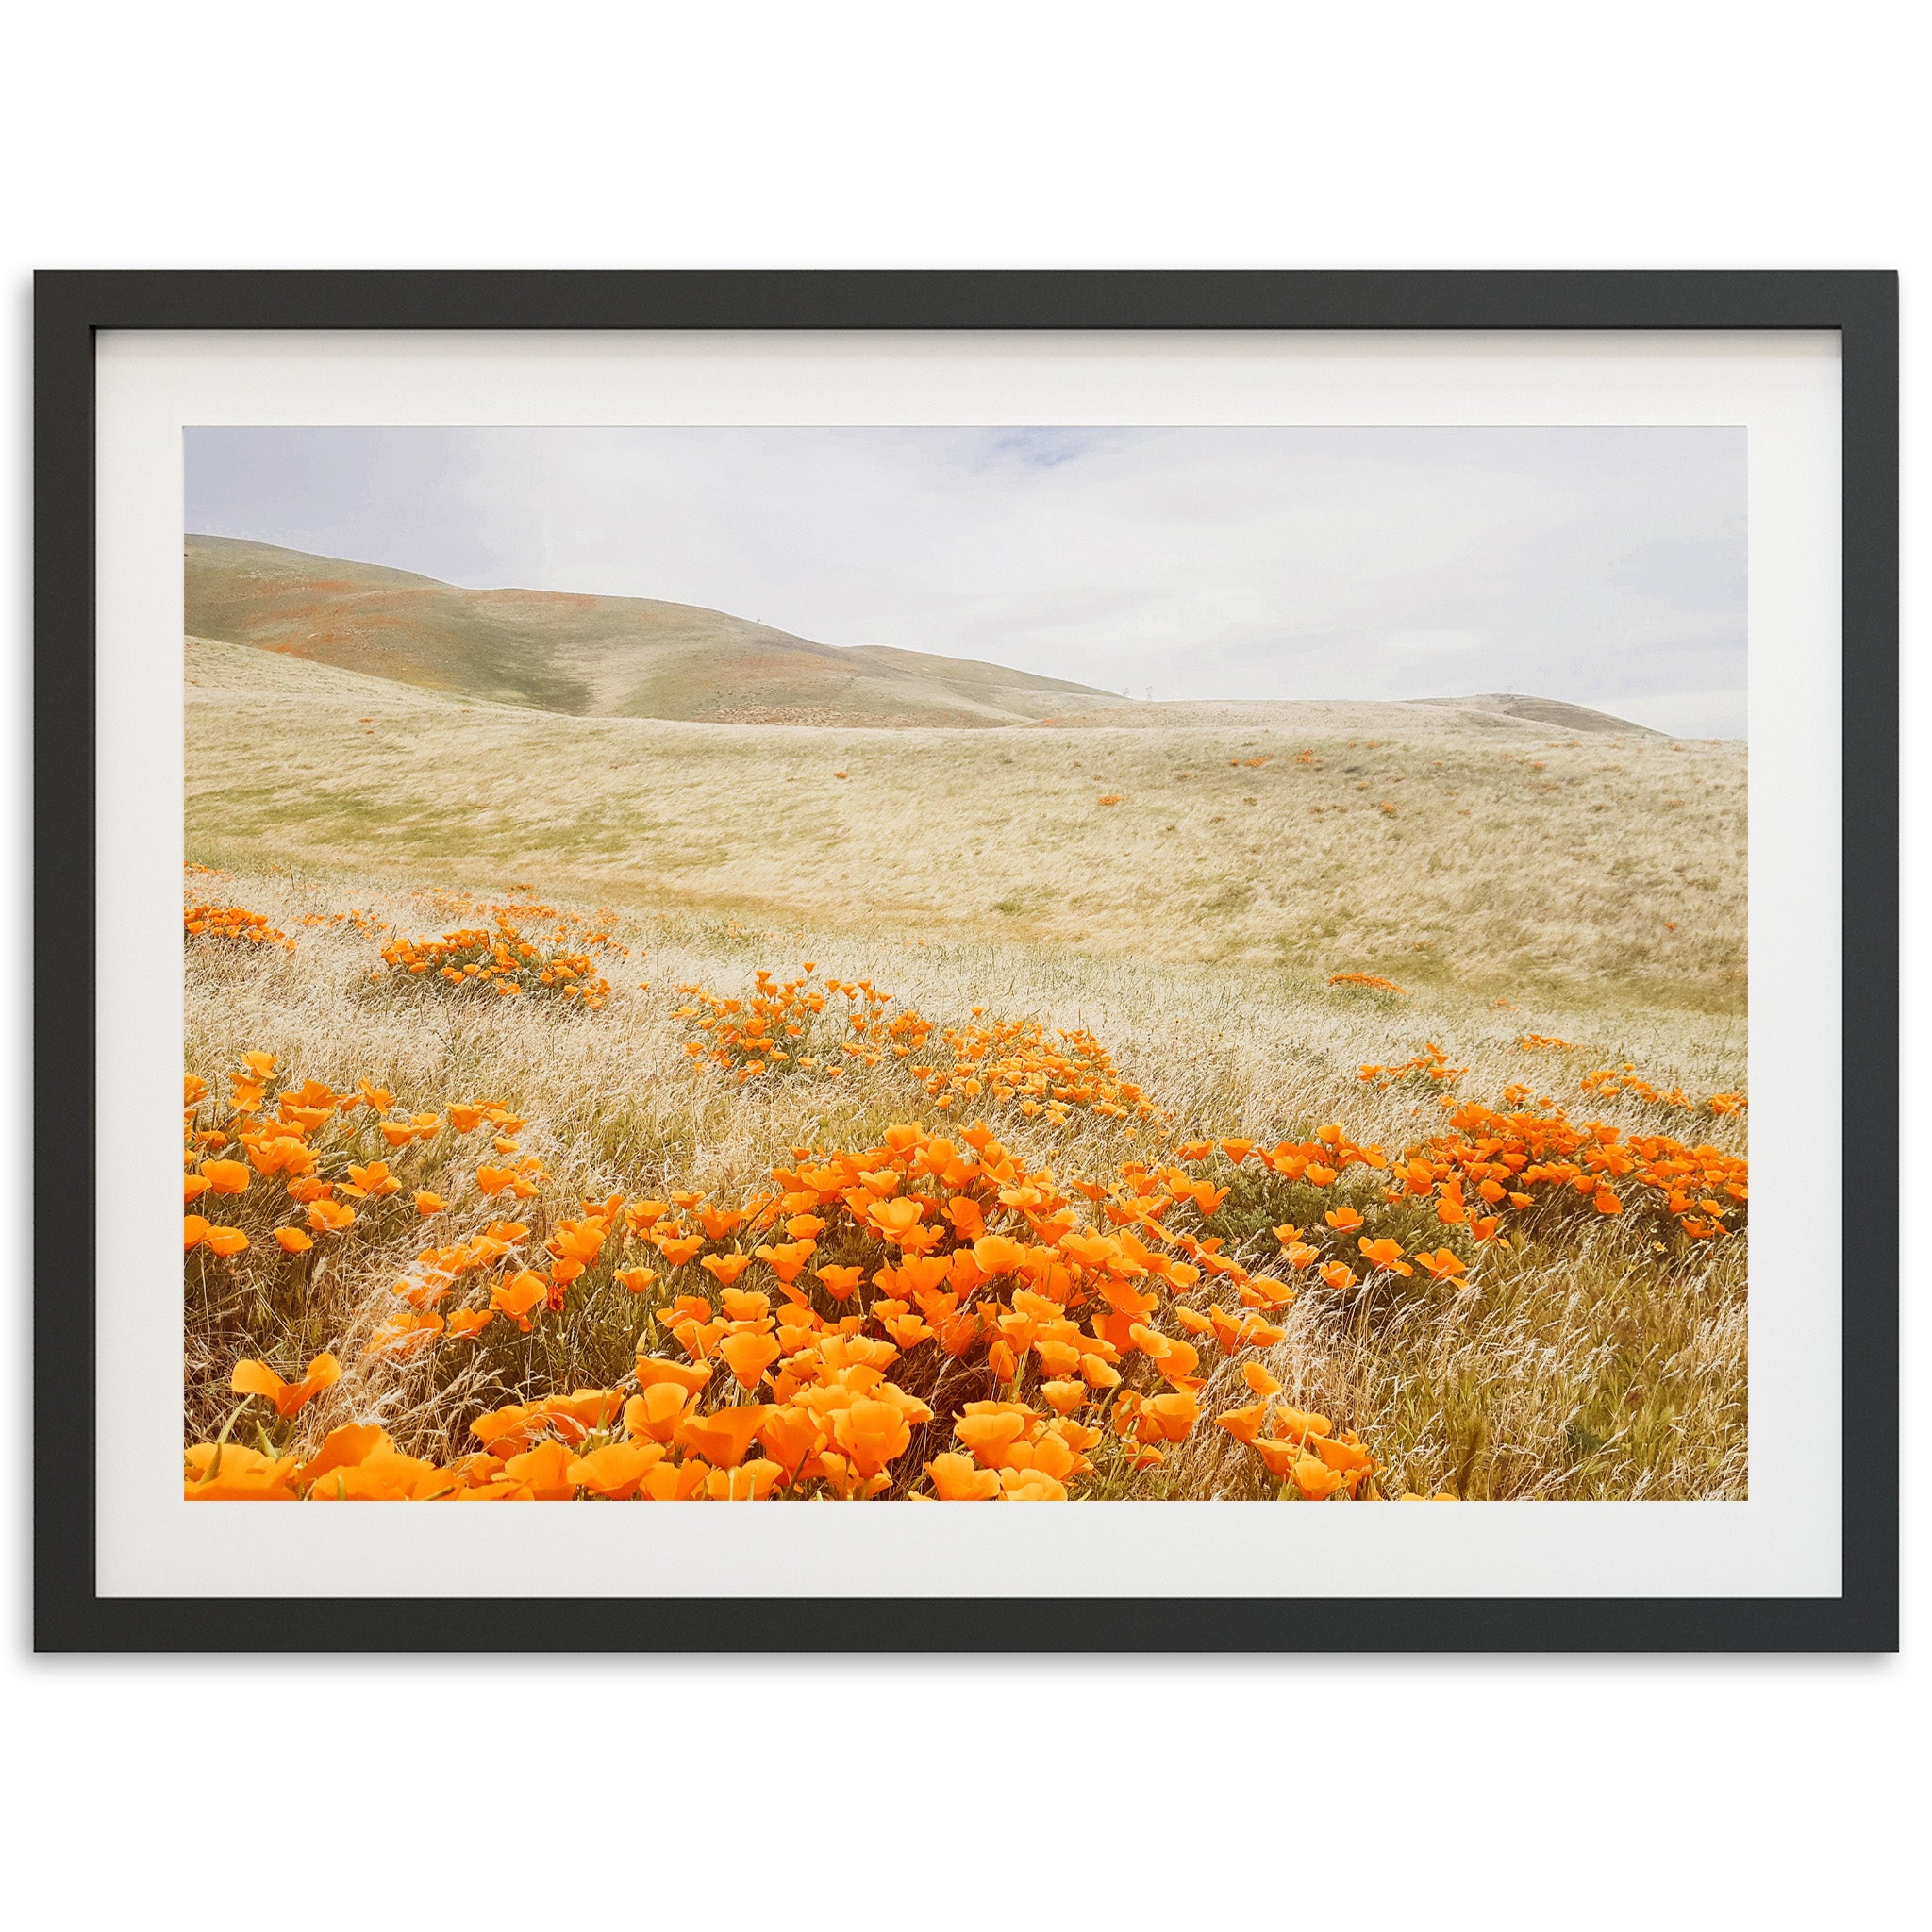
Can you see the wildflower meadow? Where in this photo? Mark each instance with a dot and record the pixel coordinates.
(896, 1118)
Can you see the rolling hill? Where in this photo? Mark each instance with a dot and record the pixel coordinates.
(1503, 717)
(1437, 844)
(587, 656)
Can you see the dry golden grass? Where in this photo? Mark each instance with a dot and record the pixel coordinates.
(1511, 860)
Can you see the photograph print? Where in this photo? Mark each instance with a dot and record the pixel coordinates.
(1032, 964)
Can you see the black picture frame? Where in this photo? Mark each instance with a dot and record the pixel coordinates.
(71, 307)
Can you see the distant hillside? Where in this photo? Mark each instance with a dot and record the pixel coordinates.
(1553, 714)
(595, 657)
(1507, 716)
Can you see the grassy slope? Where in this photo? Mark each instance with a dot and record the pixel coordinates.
(586, 655)
(1483, 857)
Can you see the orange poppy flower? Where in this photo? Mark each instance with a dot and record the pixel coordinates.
(750, 1482)
(871, 1433)
(957, 1479)
(1292, 1421)
(1342, 1220)
(223, 1240)
(787, 1259)
(839, 1282)
(1246, 1331)
(518, 1295)
(1384, 1254)
(697, 1339)
(994, 1254)
(543, 1473)
(674, 1483)
(1243, 1425)
(896, 1219)
(1260, 1380)
(1031, 1485)
(723, 1437)
(257, 1378)
(1170, 1417)
(1264, 1291)
(688, 1376)
(748, 1357)
(227, 1473)
(966, 1216)
(989, 1429)
(790, 1433)
(293, 1241)
(343, 1448)
(653, 1415)
(614, 1471)
(1344, 1457)
(1315, 1479)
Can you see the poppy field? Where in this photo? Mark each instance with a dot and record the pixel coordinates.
(491, 1195)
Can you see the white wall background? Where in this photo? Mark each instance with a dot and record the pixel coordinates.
(1579, 1793)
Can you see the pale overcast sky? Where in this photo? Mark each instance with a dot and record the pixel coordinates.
(1604, 566)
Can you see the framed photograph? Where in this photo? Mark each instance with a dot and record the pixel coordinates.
(1165, 893)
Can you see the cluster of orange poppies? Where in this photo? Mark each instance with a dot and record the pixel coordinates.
(232, 922)
(1040, 1069)
(1607, 1083)
(278, 1143)
(504, 962)
(1492, 1163)
(1430, 1066)
(1372, 980)
(930, 1318)
(783, 1028)
(356, 918)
